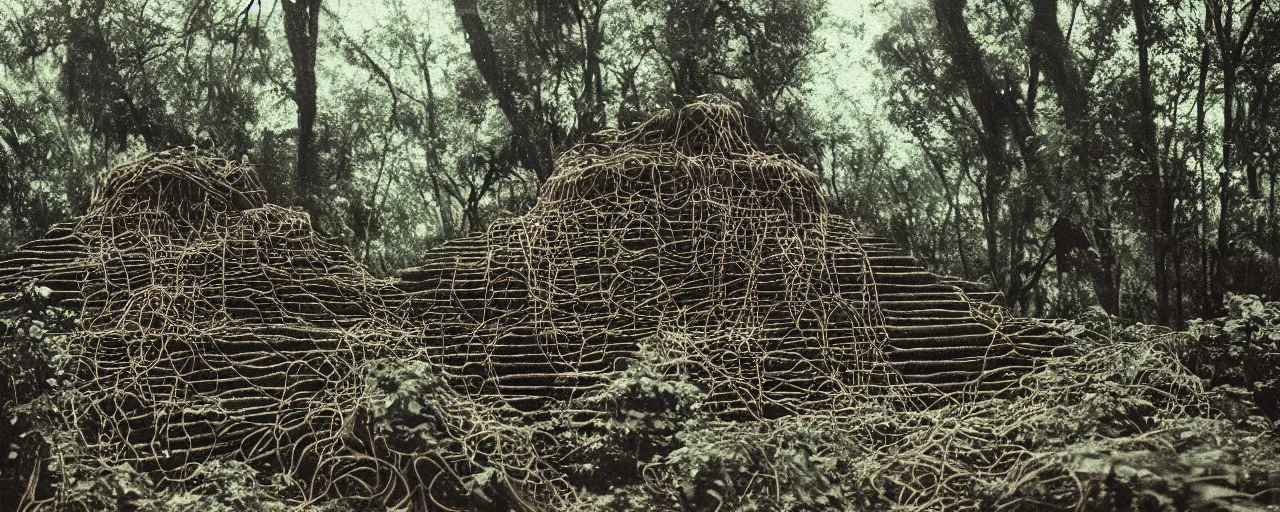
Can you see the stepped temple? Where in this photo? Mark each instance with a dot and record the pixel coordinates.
(683, 235)
(214, 323)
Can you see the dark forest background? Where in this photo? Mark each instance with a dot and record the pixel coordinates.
(1120, 154)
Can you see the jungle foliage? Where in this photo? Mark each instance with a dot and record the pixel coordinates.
(1069, 154)
(1111, 162)
(1141, 418)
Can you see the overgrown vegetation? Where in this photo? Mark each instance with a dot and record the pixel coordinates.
(1138, 418)
(1120, 153)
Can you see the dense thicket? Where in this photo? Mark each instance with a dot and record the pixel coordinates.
(1124, 424)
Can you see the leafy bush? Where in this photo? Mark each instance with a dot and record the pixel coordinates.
(633, 420)
(1118, 425)
(1241, 350)
(35, 361)
(214, 486)
(452, 450)
(223, 486)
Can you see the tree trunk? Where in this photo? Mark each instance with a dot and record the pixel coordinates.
(528, 136)
(1050, 50)
(1230, 49)
(301, 30)
(1002, 119)
(1160, 216)
(1206, 305)
(444, 202)
(1049, 47)
(591, 102)
(1224, 183)
(967, 60)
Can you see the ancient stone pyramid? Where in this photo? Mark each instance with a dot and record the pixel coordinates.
(214, 323)
(681, 235)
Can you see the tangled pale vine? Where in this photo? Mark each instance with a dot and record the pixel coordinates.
(216, 326)
(682, 232)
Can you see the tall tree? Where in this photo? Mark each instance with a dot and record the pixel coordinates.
(528, 135)
(753, 52)
(1161, 208)
(85, 84)
(1231, 43)
(302, 32)
(929, 102)
(1003, 120)
(1053, 55)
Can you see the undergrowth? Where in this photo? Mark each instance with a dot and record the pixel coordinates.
(1137, 418)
